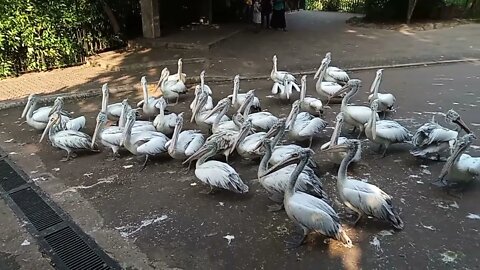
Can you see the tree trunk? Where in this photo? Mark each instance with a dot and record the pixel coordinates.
(111, 18)
(411, 7)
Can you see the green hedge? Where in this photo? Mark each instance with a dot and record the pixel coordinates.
(41, 34)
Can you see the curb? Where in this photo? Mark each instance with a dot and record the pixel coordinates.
(218, 79)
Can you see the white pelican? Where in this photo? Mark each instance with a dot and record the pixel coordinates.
(171, 89)
(309, 104)
(309, 212)
(261, 121)
(67, 122)
(277, 182)
(165, 123)
(361, 197)
(114, 110)
(199, 112)
(239, 99)
(208, 105)
(385, 101)
(460, 168)
(146, 143)
(385, 132)
(205, 88)
(334, 74)
(302, 125)
(215, 173)
(179, 76)
(36, 117)
(283, 81)
(326, 90)
(68, 140)
(110, 137)
(432, 139)
(354, 115)
(184, 143)
(248, 148)
(139, 125)
(220, 111)
(337, 157)
(149, 105)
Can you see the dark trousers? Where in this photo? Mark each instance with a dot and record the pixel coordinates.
(266, 19)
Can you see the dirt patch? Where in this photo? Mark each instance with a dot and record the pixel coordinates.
(415, 26)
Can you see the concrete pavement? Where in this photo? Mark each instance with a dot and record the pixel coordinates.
(310, 35)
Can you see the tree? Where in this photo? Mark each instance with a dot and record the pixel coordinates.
(411, 7)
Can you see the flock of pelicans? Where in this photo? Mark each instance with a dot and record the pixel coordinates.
(287, 171)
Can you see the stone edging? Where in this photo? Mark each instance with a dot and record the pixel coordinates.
(217, 79)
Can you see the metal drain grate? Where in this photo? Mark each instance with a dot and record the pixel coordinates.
(9, 178)
(35, 209)
(73, 251)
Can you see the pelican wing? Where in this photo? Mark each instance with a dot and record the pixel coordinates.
(360, 114)
(222, 175)
(112, 135)
(196, 141)
(338, 74)
(73, 139)
(76, 123)
(115, 109)
(308, 124)
(469, 164)
(392, 131)
(263, 120)
(388, 100)
(41, 114)
(175, 86)
(152, 147)
(331, 88)
(313, 213)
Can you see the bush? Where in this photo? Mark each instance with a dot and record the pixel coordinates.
(41, 34)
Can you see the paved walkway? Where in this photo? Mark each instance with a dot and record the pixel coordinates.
(310, 35)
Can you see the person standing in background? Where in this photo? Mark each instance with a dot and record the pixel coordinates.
(278, 15)
(266, 11)
(257, 15)
(247, 12)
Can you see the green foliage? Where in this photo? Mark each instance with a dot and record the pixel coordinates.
(354, 6)
(40, 34)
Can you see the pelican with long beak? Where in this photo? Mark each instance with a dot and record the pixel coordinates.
(261, 121)
(184, 143)
(149, 105)
(219, 112)
(110, 137)
(199, 112)
(139, 124)
(277, 182)
(309, 104)
(326, 90)
(67, 122)
(208, 105)
(432, 139)
(304, 126)
(38, 117)
(354, 115)
(335, 74)
(460, 168)
(171, 89)
(283, 82)
(114, 110)
(164, 123)
(239, 99)
(68, 140)
(214, 173)
(312, 214)
(363, 198)
(385, 101)
(179, 76)
(337, 157)
(385, 132)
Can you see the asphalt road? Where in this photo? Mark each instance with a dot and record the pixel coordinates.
(158, 218)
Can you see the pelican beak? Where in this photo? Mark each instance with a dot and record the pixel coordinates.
(463, 125)
(199, 103)
(45, 131)
(337, 149)
(240, 137)
(200, 152)
(25, 110)
(217, 108)
(54, 108)
(294, 159)
(342, 90)
(95, 133)
(446, 168)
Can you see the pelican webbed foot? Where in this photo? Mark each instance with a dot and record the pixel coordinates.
(211, 191)
(144, 163)
(296, 243)
(275, 207)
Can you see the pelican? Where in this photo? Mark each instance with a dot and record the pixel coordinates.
(385, 132)
(460, 168)
(220, 111)
(385, 101)
(208, 105)
(37, 117)
(239, 99)
(171, 89)
(309, 104)
(67, 122)
(149, 105)
(361, 197)
(184, 143)
(113, 111)
(302, 125)
(337, 157)
(283, 81)
(199, 112)
(433, 139)
(277, 182)
(139, 125)
(312, 214)
(205, 88)
(215, 173)
(165, 123)
(179, 76)
(260, 120)
(326, 90)
(354, 115)
(146, 143)
(334, 74)
(68, 140)
(248, 147)
(110, 137)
